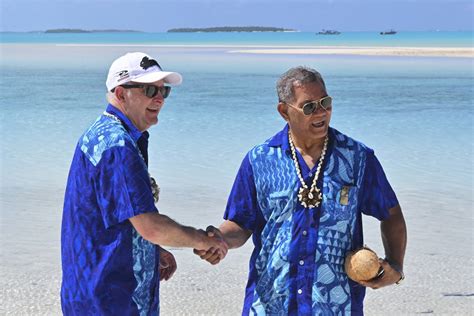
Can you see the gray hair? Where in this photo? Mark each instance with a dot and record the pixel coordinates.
(296, 76)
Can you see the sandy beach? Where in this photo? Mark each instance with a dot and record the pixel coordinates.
(439, 274)
(436, 284)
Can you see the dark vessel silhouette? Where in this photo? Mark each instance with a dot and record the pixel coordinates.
(329, 32)
(391, 32)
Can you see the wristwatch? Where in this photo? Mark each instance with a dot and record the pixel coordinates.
(402, 277)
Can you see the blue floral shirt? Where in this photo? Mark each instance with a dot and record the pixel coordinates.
(108, 268)
(297, 266)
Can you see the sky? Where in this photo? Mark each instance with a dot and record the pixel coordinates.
(302, 15)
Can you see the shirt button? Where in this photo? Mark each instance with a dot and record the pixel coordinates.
(310, 174)
(305, 233)
(301, 262)
(300, 291)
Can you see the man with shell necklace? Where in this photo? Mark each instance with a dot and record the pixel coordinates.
(301, 195)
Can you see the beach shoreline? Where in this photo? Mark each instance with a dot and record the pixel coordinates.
(389, 51)
(463, 52)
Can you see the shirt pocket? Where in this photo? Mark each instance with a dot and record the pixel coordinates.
(340, 201)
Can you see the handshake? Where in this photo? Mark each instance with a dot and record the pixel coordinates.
(214, 246)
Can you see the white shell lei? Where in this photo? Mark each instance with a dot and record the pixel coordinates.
(308, 197)
(155, 188)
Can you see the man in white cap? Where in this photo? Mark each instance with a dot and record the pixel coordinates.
(111, 230)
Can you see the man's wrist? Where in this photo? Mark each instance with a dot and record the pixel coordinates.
(397, 268)
(402, 277)
(202, 239)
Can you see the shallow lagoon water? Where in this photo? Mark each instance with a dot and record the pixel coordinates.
(417, 113)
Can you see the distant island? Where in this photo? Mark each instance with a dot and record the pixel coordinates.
(89, 31)
(231, 29)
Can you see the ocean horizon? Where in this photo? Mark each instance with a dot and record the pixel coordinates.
(401, 39)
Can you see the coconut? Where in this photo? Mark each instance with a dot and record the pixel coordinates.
(362, 264)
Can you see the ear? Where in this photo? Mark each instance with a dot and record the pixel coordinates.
(120, 93)
(283, 110)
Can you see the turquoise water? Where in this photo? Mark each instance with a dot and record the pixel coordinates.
(416, 112)
(423, 39)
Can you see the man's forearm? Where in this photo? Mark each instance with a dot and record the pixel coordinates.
(394, 237)
(162, 230)
(234, 235)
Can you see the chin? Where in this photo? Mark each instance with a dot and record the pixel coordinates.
(152, 122)
(320, 133)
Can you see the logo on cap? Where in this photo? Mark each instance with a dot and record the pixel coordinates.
(122, 75)
(147, 63)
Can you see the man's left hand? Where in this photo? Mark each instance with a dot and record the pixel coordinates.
(167, 265)
(389, 277)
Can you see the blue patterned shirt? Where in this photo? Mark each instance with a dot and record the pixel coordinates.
(108, 268)
(297, 266)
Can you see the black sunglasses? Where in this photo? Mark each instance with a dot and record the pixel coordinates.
(311, 107)
(150, 90)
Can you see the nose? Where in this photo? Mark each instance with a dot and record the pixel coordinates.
(319, 111)
(158, 98)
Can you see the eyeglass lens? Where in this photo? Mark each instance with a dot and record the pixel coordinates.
(151, 91)
(311, 107)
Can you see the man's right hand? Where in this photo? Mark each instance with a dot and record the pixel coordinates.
(218, 247)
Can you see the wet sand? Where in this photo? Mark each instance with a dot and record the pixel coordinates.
(439, 278)
(200, 289)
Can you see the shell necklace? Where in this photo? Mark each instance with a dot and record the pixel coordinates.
(155, 189)
(308, 197)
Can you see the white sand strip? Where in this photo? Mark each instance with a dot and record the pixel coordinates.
(467, 52)
(189, 45)
(311, 50)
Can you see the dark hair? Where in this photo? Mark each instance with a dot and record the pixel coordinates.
(296, 76)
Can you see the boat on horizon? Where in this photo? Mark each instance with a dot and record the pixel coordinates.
(329, 32)
(391, 32)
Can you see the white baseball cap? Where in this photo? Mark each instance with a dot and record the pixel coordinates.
(138, 67)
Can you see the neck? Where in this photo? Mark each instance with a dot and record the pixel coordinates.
(311, 147)
(120, 106)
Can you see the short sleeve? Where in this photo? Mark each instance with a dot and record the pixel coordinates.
(242, 207)
(123, 186)
(376, 195)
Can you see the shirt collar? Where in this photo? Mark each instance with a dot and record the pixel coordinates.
(281, 139)
(132, 129)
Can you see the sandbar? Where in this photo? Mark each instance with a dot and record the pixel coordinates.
(466, 52)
